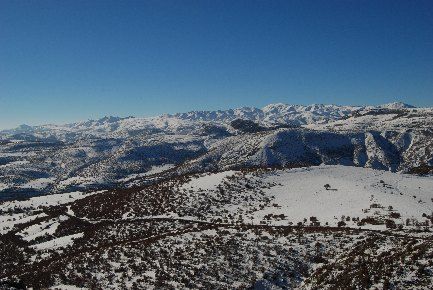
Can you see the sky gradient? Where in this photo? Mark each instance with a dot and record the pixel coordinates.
(63, 61)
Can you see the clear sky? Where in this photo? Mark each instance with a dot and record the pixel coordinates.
(70, 60)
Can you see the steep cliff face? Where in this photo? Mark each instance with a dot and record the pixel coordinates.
(290, 147)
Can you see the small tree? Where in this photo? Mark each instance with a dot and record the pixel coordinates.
(327, 186)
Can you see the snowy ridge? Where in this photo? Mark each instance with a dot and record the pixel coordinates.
(115, 127)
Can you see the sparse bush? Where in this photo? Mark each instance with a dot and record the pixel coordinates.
(341, 224)
(395, 215)
(390, 224)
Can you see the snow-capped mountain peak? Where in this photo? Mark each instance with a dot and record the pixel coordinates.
(397, 105)
(272, 115)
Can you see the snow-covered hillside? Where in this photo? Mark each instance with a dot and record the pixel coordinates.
(382, 119)
(325, 227)
(284, 197)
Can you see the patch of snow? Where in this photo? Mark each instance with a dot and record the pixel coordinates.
(58, 242)
(15, 163)
(153, 170)
(4, 186)
(45, 200)
(7, 222)
(39, 183)
(38, 230)
(67, 287)
(80, 181)
(208, 181)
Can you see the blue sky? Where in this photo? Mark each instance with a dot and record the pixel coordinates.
(63, 61)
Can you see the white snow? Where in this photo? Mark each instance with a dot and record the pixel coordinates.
(7, 222)
(208, 181)
(38, 230)
(353, 191)
(58, 242)
(4, 186)
(14, 163)
(153, 170)
(80, 181)
(67, 287)
(159, 169)
(45, 200)
(269, 115)
(39, 183)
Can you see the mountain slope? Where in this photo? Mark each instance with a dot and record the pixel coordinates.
(94, 154)
(289, 147)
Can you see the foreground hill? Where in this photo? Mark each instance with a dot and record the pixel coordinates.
(326, 227)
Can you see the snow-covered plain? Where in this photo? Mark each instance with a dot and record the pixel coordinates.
(355, 193)
(352, 193)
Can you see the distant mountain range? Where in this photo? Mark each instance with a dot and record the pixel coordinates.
(270, 115)
(55, 158)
